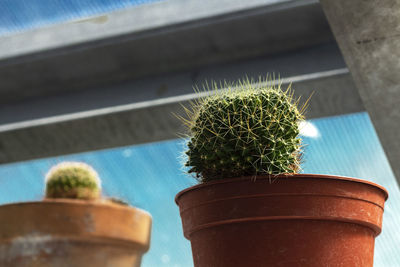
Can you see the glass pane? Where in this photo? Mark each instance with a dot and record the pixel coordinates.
(20, 15)
(348, 146)
(149, 176)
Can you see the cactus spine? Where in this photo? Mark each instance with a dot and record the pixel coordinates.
(248, 129)
(72, 180)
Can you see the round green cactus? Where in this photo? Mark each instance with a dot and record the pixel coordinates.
(245, 130)
(72, 180)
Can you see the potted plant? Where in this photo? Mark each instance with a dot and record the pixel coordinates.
(252, 207)
(73, 225)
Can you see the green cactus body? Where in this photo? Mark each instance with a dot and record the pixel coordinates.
(72, 180)
(251, 130)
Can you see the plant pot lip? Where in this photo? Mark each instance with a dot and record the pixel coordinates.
(298, 175)
(77, 202)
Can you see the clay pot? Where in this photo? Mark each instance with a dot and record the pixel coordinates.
(300, 220)
(63, 232)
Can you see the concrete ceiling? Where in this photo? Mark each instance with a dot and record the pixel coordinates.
(80, 86)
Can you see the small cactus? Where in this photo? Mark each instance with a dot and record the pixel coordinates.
(248, 129)
(72, 180)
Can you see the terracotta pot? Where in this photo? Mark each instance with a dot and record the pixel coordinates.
(300, 220)
(75, 233)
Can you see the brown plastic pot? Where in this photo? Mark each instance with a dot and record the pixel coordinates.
(300, 220)
(75, 233)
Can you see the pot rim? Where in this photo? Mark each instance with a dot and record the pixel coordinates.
(297, 175)
(86, 220)
(77, 202)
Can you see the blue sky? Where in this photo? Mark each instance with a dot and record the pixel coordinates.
(22, 15)
(149, 176)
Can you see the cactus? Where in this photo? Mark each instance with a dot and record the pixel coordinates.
(72, 180)
(248, 129)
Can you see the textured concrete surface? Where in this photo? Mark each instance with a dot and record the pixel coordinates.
(150, 121)
(85, 86)
(152, 39)
(368, 34)
(290, 64)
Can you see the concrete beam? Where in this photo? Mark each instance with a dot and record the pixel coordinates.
(92, 86)
(150, 121)
(150, 19)
(311, 60)
(151, 40)
(368, 35)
